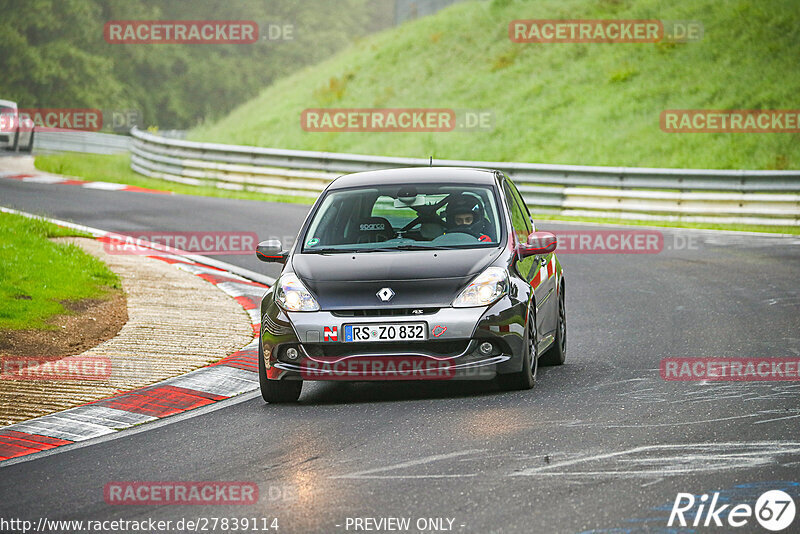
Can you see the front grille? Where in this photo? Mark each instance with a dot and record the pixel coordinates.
(432, 348)
(385, 312)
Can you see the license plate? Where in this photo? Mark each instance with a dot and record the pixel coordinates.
(385, 332)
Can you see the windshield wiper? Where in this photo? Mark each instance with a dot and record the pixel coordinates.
(403, 247)
(424, 247)
(408, 246)
(328, 250)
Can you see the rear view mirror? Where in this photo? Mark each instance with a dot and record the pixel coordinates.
(538, 243)
(271, 251)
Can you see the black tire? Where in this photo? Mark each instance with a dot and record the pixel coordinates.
(276, 391)
(557, 353)
(526, 377)
(15, 146)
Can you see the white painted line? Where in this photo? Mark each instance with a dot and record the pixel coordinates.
(100, 415)
(241, 290)
(62, 427)
(42, 179)
(91, 421)
(673, 423)
(217, 380)
(567, 463)
(241, 271)
(688, 458)
(202, 269)
(108, 186)
(777, 419)
(93, 231)
(412, 463)
(411, 476)
(203, 410)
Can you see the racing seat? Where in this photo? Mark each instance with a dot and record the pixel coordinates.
(374, 230)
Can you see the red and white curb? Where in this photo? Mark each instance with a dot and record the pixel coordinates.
(231, 376)
(44, 178)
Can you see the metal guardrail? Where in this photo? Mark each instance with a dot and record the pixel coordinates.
(689, 195)
(49, 142)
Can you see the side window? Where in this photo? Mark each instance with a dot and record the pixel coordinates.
(519, 218)
(523, 206)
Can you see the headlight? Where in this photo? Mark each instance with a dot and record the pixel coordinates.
(485, 289)
(292, 295)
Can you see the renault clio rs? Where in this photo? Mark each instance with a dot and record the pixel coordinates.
(413, 274)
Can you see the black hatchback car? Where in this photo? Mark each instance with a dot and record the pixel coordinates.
(413, 274)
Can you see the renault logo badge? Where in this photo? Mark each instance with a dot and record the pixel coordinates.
(385, 294)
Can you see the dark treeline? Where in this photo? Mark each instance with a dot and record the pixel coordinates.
(53, 53)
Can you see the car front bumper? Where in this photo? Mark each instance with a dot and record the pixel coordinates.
(452, 351)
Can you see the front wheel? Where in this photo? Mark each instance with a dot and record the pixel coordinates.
(276, 391)
(526, 377)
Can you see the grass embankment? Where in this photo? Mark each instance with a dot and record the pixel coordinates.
(37, 275)
(581, 103)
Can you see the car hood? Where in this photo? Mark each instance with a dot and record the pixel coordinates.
(417, 278)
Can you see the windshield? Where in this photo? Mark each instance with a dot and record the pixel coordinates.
(404, 217)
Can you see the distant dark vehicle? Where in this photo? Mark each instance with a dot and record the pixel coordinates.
(406, 274)
(16, 129)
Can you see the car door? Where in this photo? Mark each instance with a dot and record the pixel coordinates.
(539, 270)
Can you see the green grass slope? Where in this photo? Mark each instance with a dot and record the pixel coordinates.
(38, 275)
(587, 104)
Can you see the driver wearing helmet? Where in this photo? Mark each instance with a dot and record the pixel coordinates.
(465, 214)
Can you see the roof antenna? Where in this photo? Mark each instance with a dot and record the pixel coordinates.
(431, 161)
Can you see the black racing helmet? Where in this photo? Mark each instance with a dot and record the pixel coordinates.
(461, 204)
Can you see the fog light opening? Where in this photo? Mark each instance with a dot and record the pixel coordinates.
(292, 353)
(485, 348)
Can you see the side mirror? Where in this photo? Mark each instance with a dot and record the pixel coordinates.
(538, 243)
(271, 251)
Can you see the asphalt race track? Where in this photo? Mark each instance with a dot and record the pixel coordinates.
(601, 443)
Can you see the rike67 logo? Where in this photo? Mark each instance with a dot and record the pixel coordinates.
(774, 510)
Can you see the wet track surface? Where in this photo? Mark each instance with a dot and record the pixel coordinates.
(601, 443)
